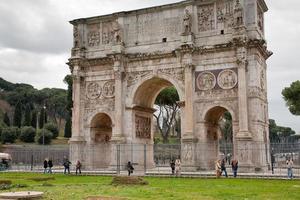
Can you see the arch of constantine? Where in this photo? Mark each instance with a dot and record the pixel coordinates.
(212, 51)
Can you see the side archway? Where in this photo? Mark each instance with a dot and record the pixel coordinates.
(100, 136)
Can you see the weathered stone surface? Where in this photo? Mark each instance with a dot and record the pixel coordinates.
(212, 51)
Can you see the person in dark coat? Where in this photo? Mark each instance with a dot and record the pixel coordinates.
(129, 168)
(45, 166)
(66, 164)
(223, 167)
(78, 167)
(172, 165)
(234, 166)
(50, 165)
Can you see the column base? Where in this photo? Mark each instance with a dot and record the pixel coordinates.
(244, 136)
(118, 48)
(118, 139)
(187, 39)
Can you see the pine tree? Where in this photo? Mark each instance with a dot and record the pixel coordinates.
(18, 115)
(27, 117)
(68, 127)
(6, 119)
(42, 118)
(33, 119)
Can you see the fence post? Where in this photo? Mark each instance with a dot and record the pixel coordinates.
(145, 159)
(118, 159)
(31, 163)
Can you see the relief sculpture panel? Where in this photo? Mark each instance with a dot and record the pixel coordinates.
(206, 81)
(143, 127)
(225, 13)
(93, 36)
(206, 18)
(99, 94)
(227, 79)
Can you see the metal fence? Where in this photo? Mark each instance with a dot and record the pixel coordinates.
(155, 159)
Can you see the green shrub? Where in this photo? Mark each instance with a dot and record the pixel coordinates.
(8, 135)
(27, 134)
(53, 129)
(16, 130)
(44, 135)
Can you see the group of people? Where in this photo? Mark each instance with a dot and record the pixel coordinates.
(221, 167)
(175, 167)
(48, 164)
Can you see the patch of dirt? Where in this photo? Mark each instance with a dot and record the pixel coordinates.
(41, 179)
(128, 180)
(105, 198)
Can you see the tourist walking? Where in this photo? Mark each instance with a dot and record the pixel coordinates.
(45, 165)
(289, 165)
(178, 167)
(172, 165)
(223, 168)
(78, 167)
(218, 168)
(50, 165)
(66, 164)
(234, 166)
(129, 168)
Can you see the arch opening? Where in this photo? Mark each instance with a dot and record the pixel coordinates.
(101, 133)
(219, 129)
(156, 99)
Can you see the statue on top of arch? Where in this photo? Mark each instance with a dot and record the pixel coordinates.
(187, 23)
(117, 33)
(238, 14)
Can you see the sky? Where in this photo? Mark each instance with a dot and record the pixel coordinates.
(36, 38)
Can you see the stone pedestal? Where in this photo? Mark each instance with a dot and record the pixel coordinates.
(243, 154)
(187, 39)
(118, 48)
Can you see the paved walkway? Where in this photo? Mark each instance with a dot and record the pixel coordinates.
(166, 172)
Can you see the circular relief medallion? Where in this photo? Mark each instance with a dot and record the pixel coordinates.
(93, 91)
(108, 90)
(227, 79)
(206, 81)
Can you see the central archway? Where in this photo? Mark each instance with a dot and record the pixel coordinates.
(143, 100)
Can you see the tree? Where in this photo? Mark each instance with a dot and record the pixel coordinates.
(8, 135)
(226, 127)
(18, 115)
(68, 127)
(27, 134)
(27, 116)
(6, 119)
(44, 136)
(34, 119)
(292, 97)
(42, 118)
(281, 134)
(166, 101)
(53, 129)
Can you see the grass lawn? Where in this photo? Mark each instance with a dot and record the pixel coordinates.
(79, 187)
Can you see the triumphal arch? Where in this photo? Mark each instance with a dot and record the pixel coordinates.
(212, 51)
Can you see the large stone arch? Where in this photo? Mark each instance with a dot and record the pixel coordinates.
(121, 72)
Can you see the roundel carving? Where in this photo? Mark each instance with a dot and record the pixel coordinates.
(206, 81)
(108, 90)
(227, 79)
(93, 91)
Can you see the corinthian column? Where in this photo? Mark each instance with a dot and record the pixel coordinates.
(188, 109)
(243, 98)
(75, 66)
(117, 135)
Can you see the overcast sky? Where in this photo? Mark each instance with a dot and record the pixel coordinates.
(36, 38)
